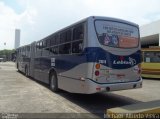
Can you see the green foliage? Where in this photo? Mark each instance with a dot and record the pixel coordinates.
(5, 52)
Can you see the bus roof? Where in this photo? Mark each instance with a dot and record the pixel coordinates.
(113, 19)
(22, 46)
(92, 17)
(85, 19)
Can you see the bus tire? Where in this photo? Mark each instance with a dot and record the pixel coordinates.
(53, 82)
(26, 71)
(17, 67)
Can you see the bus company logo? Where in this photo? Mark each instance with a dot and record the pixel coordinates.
(130, 61)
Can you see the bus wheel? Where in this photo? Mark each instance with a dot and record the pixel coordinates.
(18, 67)
(26, 71)
(53, 82)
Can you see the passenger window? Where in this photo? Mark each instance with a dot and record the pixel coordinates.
(57, 39)
(65, 49)
(53, 41)
(54, 50)
(62, 37)
(41, 45)
(44, 43)
(78, 32)
(48, 42)
(65, 36)
(77, 46)
(46, 52)
(28, 51)
(37, 46)
(68, 36)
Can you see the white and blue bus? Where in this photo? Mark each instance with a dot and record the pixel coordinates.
(93, 55)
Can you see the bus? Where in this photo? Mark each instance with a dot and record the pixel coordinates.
(23, 59)
(151, 62)
(93, 55)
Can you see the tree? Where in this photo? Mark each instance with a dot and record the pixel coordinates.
(7, 54)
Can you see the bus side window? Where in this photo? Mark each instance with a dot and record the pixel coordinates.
(44, 43)
(54, 50)
(63, 37)
(65, 48)
(41, 45)
(37, 46)
(77, 46)
(52, 41)
(68, 35)
(78, 36)
(57, 39)
(46, 52)
(78, 32)
(48, 42)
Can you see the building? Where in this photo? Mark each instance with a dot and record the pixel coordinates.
(150, 34)
(17, 38)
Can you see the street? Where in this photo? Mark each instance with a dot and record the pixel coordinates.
(19, 94)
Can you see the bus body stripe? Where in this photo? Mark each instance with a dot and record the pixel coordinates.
(93, 54)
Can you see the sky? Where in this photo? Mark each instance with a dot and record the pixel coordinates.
(39, 18)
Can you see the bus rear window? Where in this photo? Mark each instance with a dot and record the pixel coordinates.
(116, 34)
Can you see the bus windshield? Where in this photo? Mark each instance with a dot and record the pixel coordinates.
(153, 57)
(117, 34)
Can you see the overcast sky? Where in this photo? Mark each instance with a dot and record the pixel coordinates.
(38, 18)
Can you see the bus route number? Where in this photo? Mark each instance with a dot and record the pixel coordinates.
(53, 62)
(102, 61)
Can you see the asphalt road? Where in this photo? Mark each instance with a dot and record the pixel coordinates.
(19, 94)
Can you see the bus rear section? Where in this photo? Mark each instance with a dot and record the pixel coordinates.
(117, 58)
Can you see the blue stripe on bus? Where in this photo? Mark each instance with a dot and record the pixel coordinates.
(112, 61)
(95, 54)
